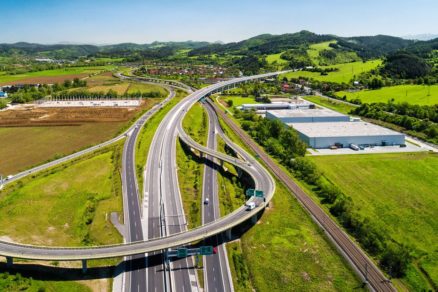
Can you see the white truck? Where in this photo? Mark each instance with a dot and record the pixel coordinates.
(250, 206)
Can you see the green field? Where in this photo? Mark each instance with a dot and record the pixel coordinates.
(414, 94)
(76, 199)
(55, 72)
(315, 49)
(190, 167)
(238, 100)
(346, 72)
(398, 193)
(231, 190)
(147, 88)
(276, 58)
(330, 103)
(16, 282)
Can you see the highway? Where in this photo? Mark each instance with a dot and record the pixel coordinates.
(169, 202)
(217, 275)
(173, 120)
(135, 277)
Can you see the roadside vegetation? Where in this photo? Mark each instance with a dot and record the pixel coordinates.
(190, 166)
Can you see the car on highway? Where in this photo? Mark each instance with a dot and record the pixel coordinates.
(206, 201)
(250, 205)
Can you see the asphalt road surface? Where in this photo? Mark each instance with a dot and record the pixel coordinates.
(217, 276)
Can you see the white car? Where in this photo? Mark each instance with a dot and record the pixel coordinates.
(206, 201)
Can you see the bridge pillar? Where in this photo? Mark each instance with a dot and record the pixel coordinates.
(239, 172)
(254, 219)
(228, 234)
(84, 266)
(9, 262)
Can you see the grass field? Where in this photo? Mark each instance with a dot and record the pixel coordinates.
(275, 58)
(414, 94)
(16, 282)
(146, 88)
(292, 254)
(346, 72)
(195, 124)
(76, 198)
(331, 104)
(398, 193)
(190, 177)
(191, 168)
(238, 100)
(315, 49)
(23, 147)
(231, 192)
(53, 73)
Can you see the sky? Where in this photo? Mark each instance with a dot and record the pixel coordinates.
(145, 21)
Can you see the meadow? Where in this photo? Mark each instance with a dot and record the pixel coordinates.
(76, 197)
(398, 194)
(346, 72)
(51, 75)
(414, 94)
(191, 168)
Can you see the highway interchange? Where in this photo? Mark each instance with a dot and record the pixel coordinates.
(157, 222)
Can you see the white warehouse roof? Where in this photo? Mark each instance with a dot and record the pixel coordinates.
(317, 112)
(341, 129)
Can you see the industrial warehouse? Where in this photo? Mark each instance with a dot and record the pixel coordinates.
(346, 134)
(323, 128)
(301, 115)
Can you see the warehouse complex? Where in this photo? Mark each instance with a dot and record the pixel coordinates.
(323, 128)
(299, 115)
(344, 134)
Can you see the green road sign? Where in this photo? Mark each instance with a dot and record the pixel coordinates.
(181, 252)
(206, 250)
(250, 192)
(259, 194)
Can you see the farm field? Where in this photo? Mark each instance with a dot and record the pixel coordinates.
(397, 192)
(345, 74)
(414, 94)
(76, 198)
(52, 76)
(31, 137)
